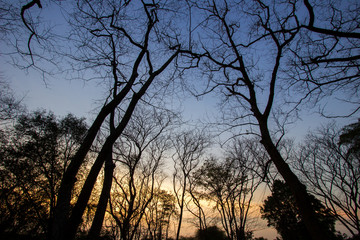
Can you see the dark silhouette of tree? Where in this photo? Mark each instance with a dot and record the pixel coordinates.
(231, 185)
(189, 149)
(100, 45)
(330, 166)
(33, 160)
(195, 204)
(10, 105)
(131, 55)
(242, 51)
(158, 215)
(281, 211)
(350, 136)
(27, 39)
(326, 55)
(138, 153)
(128, 58)
(210, 233)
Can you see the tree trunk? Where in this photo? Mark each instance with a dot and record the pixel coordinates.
(298, 189)
(82, 201)
(96, 226)
(62, 209)
(181, 210)
(63, 227)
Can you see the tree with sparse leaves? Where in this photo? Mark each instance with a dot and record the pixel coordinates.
(10, 105)
(329, 163)
(158, 215)
(350, 136)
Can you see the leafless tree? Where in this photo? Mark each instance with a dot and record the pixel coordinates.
(189, 147)
(230, 184)
(28, 41)
(196, 199)
(100, 32)
(242, 49)
(326, 56)
(332, 173)
(139, 154)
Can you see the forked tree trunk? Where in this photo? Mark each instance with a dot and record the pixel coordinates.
(96, 226)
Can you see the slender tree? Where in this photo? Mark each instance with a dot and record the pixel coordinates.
(230, 184)
(189, 149)
(139, 154)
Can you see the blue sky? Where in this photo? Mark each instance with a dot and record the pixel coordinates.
(81, 98)
(84, 99)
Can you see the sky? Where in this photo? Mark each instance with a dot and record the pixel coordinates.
(83, 99)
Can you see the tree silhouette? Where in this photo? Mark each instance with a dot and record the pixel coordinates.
(210, 233)
(158, 215)
(138, 154)
(241, 48)
(280, 211)
(189, 149)
(326, 56)
(242, 51)
(231, 184)
(128, 54)
(10, 105)
(33, 161)
(329, 163)
(350, 136)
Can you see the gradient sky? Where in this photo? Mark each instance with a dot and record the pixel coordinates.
(83, 99)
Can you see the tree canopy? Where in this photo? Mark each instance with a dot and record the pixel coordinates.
(350, 135)
(280, 211)
(33, 160)
(210, 233)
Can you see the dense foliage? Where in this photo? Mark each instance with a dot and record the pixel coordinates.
(34, 156)
(281, 212)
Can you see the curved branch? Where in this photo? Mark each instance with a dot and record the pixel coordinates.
(23, 9)
(334, 33)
